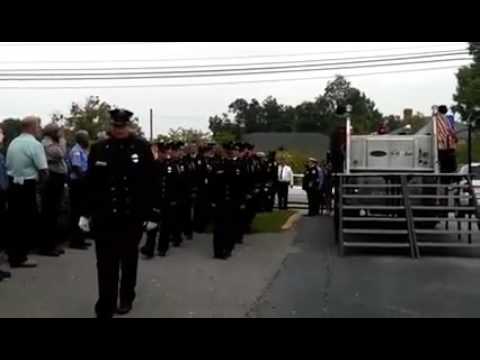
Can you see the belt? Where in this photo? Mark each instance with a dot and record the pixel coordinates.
(19, 181)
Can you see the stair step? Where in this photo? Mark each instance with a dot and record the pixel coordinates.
(446, 232)
(467, 196)
(445, 219)
(366, 186)
(375, 245)
(372, 207)
(373, 196)
(367, 218)
(465, 208)
(438, 186)
(447, 245)
(375, 231)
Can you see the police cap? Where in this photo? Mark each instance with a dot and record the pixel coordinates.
(120, 117)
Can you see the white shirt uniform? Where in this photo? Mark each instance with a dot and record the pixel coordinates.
(285, 174)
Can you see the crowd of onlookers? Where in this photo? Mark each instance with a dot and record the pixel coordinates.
(34, 172)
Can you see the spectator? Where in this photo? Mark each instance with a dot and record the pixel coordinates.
(285, 179)
(3, 202)
(78, 160)
(54, 190)
(26, 167)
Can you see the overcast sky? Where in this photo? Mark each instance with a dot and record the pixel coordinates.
(190, 106)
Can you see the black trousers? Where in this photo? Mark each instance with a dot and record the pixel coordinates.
(283, 195)
(267, 199)
(169, 229)
(187, 216)
(3, 220)
(227, 228)
(201, 213)
(52, 197)
(23, 220)
(77, 193)
(250, 213)
(313, 197)
(116, 246)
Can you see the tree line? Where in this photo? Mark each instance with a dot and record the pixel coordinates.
(252, 116)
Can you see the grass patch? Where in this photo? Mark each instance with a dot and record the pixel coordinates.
(271, 222)
(266, 222)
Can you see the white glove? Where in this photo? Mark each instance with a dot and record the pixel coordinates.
(84, 224)
(149, 226)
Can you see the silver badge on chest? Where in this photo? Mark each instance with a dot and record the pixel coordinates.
(135, 158)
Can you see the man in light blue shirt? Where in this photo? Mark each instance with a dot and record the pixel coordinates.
(26, 157)
(26, 167)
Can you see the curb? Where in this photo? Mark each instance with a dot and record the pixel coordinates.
(292, 220)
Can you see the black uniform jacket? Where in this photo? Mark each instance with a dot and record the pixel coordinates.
(119, 181)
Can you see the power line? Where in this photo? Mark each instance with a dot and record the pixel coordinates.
(222, 83)
(311, 62)
(225, 57)
(242, 73)
(95, 43)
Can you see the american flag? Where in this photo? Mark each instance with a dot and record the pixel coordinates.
(446, 137)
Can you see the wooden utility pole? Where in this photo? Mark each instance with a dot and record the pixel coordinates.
(151, 125)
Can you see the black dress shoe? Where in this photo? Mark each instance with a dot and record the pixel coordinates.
(162, 253)
(79, 246)
(148, 254)
(25, 264)
(5, 275)
(220, 257)
(50, 253)
(176, 244)
(60, 251)
(124, 309)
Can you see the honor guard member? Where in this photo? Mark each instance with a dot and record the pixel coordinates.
(312, 184)
(205, 170)
(253, 175)
(229, 197)
(272, 180)
(118, 202)
(192, 164)
(168, 192)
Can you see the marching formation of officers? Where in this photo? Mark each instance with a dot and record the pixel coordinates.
(168, 190)
(199, 185)
(123, 186)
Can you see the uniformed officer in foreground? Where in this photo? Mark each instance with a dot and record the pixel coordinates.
(119, 187)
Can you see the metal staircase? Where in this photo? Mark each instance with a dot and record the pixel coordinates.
(411, 211)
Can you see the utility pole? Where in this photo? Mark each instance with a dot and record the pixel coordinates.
(470, 145)
(151, 125)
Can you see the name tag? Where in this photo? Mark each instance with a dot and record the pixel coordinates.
(101, 163)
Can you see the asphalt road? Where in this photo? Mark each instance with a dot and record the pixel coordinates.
(315, 282)
(292, 274)
(187, 283)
